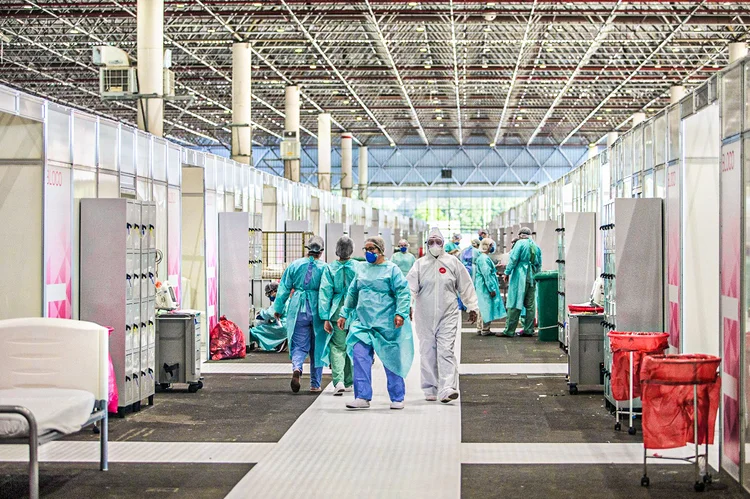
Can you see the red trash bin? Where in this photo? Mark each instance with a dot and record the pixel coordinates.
(640, 344)
(680, 402)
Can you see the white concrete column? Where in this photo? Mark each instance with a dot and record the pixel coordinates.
(676, 94)
(638, 118)
(241, 103)
(593, 151)
(737, 51)
(364, 176)
(291, 124)
(324, 152)
(347, 180)
(150, 40)
(612, 138)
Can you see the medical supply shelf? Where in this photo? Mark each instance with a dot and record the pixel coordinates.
(118, 276)
(178, 349)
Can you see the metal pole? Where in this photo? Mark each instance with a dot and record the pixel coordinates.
(630, 425)
(695, 433)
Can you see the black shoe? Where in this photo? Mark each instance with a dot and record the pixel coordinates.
(282, 347)
(252, 346)
(295, 380)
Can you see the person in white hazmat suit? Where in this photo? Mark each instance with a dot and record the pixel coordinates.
(435, 281)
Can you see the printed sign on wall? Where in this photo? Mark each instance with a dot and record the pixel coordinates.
(174, 250)
(212, 293)
(673, 253)
(731, 192)
(58, 205)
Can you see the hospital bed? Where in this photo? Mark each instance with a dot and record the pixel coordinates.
(53, 382)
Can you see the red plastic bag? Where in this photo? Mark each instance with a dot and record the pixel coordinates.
(585, 309)
(227, 341)
(114, 398)
(641, 344)
(668, 399)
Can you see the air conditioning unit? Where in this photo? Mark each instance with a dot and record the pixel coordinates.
(290, 149)
(168, 83)
(117, 82)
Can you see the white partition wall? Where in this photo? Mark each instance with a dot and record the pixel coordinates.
(700, 231)
(546, 239)
(234, 271)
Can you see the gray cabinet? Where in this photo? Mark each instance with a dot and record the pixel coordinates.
(178, 349)
(118, 276)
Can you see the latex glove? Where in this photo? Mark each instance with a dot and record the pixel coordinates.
(328, 327)
(341, 323)
(398, 321)
(492, 294)
(277, 315)
(505, 278)
(473, 317)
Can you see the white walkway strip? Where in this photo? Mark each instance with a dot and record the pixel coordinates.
(570, 453)
(533, 368)
(144, 452)
(255, 368)
(333, 453)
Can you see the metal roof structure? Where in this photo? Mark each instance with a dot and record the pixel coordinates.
(392, 72)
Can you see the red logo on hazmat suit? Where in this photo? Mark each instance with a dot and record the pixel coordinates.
(442, 270)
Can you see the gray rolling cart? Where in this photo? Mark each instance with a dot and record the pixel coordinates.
(585, 353)
(178, 349)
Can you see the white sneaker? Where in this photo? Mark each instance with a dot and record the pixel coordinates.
(430, 398)
(349, 389)
(397, 405)
(450, 397)
(339, 389)
(358, 404)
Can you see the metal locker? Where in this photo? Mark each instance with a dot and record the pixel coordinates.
(129, 282)
(144, 276)
(144, 325)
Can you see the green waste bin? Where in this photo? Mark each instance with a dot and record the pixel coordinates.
(546, 292)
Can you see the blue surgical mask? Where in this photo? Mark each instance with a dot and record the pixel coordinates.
(403, 249)
(492, 249)
(480, 238)
(272, 298)
(371, 257)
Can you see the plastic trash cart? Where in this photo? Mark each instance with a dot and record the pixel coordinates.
(680, 402)
(547, 304)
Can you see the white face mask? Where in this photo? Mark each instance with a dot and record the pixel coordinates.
(436, 250)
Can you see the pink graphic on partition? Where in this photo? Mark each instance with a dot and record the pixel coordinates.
(731, 193)
(673, 253)
(731, 352)
(211, 242)
(174, 249)
(57, 243)
(731, 447)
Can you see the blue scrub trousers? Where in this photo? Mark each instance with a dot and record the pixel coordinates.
(362, 367)
(303, 343)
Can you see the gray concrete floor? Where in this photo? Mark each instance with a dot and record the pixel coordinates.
(123, 481)
(587, 481)
(477, 349)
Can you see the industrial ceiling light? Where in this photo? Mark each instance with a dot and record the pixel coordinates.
(420, 29)
(428, 66)
(280, 30)
(313, 66)
(299, 50)
(485, 65)
(359, 118)
(486, 29)
(257, 4)
(423, 49)
(542, 66)
(413, 4)
(492, 144)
